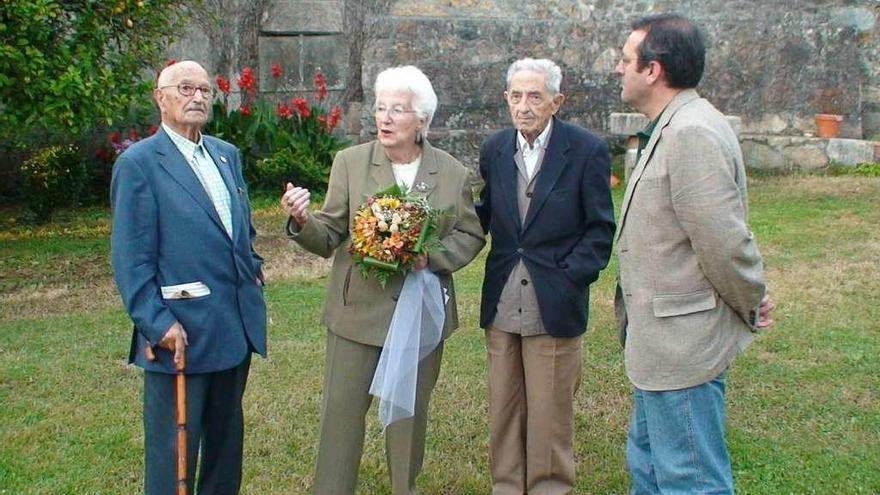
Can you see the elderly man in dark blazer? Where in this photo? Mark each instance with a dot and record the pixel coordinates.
(691, 288)
(184, 263)
(547, 205)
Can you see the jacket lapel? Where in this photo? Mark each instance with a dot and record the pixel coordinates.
(551, 168)
(179, 169)
(677, 102)
(506, 170)
(380, 170)
(426, 177)
(223, 165)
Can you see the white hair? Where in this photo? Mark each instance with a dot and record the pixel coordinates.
(410, 78)
(542, 65)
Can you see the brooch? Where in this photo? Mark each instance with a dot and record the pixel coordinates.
(421, 187)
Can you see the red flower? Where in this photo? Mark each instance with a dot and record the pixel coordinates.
(321, 86)
(302, 107)
(152, 129)
(276, 70)
(115, 137)
(284, 111)
(248, 81)
(245, 110)
(223, 84)
(104, 154)
(133, 134)
(334, 117)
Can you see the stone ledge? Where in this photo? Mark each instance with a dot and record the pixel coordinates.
(628, 124)
(760, 151)
(765, 152)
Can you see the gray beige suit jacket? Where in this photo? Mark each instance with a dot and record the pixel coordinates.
(691, 278)
(358, 308)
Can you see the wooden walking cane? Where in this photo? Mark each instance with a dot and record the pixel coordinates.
(181, 424)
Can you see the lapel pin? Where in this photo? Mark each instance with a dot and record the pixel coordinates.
(421, 186)
(222, 158)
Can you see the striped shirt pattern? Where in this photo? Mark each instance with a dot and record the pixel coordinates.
(206, 171)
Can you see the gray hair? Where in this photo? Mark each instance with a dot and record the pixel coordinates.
(542, 65)
(410, 78)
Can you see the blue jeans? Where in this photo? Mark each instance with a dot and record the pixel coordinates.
(676, 441)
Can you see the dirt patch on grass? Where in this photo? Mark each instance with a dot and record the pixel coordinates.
(82, 284)
(57, 300)
(823, 185)
(285, 260)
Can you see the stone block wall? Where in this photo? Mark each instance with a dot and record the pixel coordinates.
(766, 62)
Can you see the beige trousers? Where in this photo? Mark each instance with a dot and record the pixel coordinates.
(532, 382)
(349, 371)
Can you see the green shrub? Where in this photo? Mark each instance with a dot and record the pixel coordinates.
(53, 178)
(867, 169)
(292, 141)
(66, 67)
(864, 169)
(299, 166)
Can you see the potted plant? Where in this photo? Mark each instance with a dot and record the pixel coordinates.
(829, 119)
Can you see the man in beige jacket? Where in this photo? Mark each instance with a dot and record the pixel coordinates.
(691, 289)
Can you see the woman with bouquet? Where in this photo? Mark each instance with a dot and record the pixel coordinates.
(359, 306)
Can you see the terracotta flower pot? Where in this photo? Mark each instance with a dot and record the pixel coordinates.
(614, 181)
(828, 125)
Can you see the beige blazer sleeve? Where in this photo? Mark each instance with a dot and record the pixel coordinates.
(465, 237)
(328, 227)
(711, 209)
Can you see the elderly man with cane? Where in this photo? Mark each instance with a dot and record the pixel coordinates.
(184, 263)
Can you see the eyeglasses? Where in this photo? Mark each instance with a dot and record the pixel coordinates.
(394, 111)
(190, 90)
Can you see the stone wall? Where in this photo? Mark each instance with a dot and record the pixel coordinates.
(767, 60)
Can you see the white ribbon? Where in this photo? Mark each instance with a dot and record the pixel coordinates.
(415, 331)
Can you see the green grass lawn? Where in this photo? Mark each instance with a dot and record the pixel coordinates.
(804, 400)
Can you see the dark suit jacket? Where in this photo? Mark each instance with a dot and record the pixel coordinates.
(166, 232)
(565, 239)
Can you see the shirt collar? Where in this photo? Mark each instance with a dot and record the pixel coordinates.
(540, 141)
(645, 134)
(186, 147)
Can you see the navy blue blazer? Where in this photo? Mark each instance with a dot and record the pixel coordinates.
(166, 232)
(565, 239)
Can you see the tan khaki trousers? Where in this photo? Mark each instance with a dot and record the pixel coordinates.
(532, 382)
(348, 373)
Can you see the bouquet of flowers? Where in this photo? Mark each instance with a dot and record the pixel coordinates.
(390, 231)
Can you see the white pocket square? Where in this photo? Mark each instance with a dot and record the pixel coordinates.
(185, 291)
